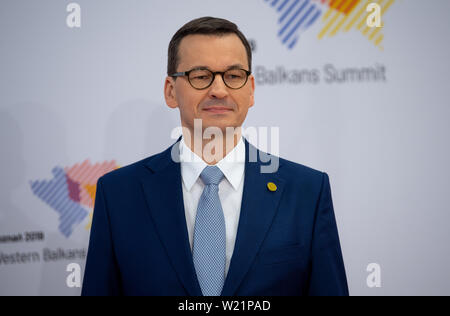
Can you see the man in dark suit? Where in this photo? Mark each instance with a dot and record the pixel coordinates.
(173, 225)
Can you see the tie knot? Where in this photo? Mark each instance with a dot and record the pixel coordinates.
(211, 175)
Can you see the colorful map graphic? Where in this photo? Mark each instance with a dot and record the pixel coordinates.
(71, 192)
(297, 16)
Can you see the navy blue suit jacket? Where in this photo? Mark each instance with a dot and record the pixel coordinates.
(287, 241)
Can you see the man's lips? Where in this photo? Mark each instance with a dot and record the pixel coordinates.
(217, 109)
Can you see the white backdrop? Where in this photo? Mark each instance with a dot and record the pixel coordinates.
(94, 94)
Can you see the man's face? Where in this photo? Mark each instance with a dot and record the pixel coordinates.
(216, 105)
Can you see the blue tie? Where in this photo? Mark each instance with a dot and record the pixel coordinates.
(209, 235)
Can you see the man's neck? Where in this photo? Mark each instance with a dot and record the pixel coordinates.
(215, 149)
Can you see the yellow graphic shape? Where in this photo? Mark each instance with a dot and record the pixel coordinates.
(90, 189)
(89, 224)
(344, 15)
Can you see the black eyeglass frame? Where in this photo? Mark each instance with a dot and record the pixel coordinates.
(215, 73)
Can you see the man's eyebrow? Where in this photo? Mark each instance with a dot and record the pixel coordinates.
(200, 68)
(239, 66)
(234, 66)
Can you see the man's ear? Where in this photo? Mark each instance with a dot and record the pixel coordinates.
(169, 93)
(252, 87)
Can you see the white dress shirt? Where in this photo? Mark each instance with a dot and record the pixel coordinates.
(230, 190)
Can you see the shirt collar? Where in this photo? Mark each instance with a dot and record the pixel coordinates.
(232, 165)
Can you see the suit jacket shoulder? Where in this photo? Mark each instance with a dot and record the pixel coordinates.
(134, 171)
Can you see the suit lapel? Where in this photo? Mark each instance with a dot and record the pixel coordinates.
(164, 195)
(258, 208)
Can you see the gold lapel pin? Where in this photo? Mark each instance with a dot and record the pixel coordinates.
(271, 186)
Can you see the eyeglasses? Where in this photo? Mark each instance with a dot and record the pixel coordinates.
(201, 78)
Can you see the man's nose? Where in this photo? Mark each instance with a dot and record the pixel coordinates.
(218, 88)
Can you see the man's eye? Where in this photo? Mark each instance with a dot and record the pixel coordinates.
(201, 77)
(231, 76)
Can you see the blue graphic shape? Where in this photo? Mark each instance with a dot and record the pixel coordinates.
(55, 193)
(296, 16)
